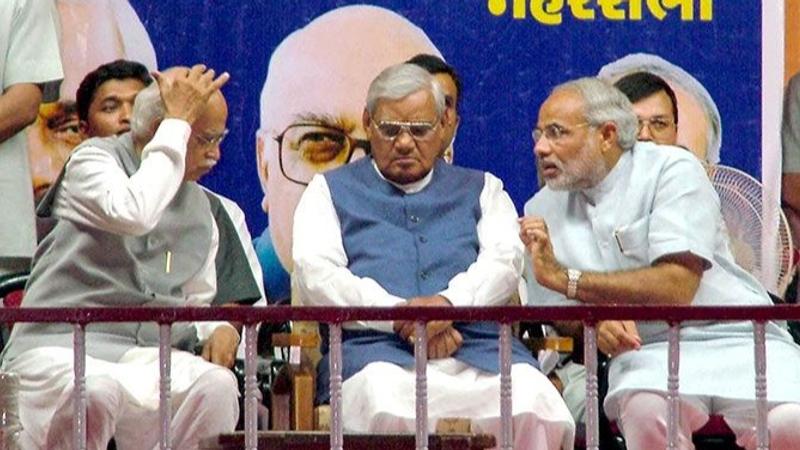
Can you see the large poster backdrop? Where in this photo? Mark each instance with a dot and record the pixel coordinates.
(508, 53)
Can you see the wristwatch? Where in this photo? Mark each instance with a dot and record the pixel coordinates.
(573, 276)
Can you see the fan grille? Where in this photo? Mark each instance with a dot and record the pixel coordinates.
(743, 211)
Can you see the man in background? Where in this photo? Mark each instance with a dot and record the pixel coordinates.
(30, 72)
(655, 105)
(701, 125)
(448, 80)
(105, 97)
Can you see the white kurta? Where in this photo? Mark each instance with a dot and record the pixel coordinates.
(380, 397)
(28, 54)
(96, 192)
(657, 201)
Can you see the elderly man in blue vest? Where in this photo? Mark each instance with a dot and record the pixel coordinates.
(132, 227)
(622, 221)
(404, 228)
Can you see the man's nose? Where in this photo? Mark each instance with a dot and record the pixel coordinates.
(644, 133)
(125, 115)
(542, 147)
(213, 151)
(404, 141)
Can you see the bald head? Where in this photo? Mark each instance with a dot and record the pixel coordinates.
(183, 93)
(320, 75)
(326, 67)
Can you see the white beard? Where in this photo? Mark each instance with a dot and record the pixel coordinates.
(584, 170)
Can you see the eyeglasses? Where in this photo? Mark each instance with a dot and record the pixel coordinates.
(389, 130)
(555, 132)
(211, 141)
(657, 124)
(306, 149)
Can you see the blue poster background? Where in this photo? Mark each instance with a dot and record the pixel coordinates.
(507, 66)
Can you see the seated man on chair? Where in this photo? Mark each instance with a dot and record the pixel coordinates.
(655, 106)
(402, 227)
(132, 228)
(105, 104)
(612, 227)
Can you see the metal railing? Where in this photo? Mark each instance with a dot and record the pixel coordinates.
(335, 316)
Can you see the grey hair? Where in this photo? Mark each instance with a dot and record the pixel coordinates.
(148, 110)
(401, 80)
(645, 62)
(605, 103)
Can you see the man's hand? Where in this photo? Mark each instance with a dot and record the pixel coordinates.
(547, 270)
(444, 344)
(185, 92)
(405, 328)
(220, 348)
(615, 337)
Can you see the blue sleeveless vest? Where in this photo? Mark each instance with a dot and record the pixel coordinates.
(412, 245)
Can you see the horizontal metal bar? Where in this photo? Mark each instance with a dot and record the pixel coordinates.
(588, 314)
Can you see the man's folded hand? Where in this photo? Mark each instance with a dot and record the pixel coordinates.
(220, 348)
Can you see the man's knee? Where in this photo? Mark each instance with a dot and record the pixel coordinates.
(216, 387)
(105, 397)
(783, 423)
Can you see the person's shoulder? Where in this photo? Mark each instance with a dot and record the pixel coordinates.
(544, 201)
(468, 173)
(227, 203)
(661, 163)
(656, 157)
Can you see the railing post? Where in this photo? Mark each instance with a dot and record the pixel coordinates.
(335, 351)
(165, 384)
(673, 383)
(506, 410)
(762, 432)
(590, 360)
(79, 389)
(250, 387)
(421, 366)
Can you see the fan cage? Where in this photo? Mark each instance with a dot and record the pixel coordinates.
(743, 211)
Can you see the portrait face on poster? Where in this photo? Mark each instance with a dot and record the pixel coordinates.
(93, 32)
(313, 99)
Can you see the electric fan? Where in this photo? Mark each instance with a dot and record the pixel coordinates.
(744, 213)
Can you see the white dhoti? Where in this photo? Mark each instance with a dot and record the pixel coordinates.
(122, 399)
(381, 398)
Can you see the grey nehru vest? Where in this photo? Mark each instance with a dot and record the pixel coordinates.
(76, 265)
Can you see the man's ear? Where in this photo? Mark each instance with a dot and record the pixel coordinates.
(608, 134)
(83, 128)
(366, 121)
(262, 166)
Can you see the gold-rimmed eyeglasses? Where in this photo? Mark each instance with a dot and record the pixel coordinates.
(420, 131)
(657, 124)
(208, 141)
(554, 132)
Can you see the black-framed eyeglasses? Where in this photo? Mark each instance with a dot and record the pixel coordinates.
(306, 149)
(555, 132)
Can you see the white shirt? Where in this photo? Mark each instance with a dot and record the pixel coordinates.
(28, 54)
(320, 262)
